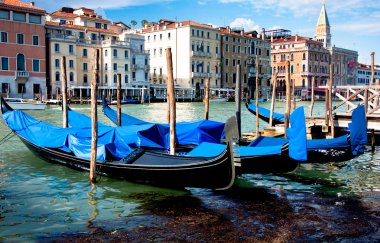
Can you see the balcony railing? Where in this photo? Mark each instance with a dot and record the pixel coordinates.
(198, 75)
(218, 75)
(200, 54)
(21, 74)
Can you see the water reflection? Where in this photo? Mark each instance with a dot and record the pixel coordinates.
(39, 199)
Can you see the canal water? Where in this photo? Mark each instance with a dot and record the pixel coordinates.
(40, 201)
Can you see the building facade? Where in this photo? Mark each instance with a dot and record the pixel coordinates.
(241, 48)
(365, 73)
(312, 57)
(23, 50)
(77, 34)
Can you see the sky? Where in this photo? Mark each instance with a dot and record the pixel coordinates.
(355, 24)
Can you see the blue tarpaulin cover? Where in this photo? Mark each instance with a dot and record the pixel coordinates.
(194, 132)
(358, 130)
(75, 140)
(297, 135)
(266, 113)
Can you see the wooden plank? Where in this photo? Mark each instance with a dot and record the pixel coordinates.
(238, 99)
(349, 98)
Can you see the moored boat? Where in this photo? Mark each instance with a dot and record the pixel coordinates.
(25, 104)
(72, 146)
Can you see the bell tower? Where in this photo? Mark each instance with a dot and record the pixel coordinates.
(322, 32)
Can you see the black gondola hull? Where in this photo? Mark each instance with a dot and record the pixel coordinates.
(215, 173)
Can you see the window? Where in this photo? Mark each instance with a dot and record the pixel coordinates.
(36, 88)
(98, 25)
(146, 76)
(57, 76)
(106, 66)
(4, 14)
(106, 78)
(56, 48)
(81, 35)
(3, 36)
(4, 63)
(71, 63)
(126, 67)
(126, 78)
(160, 36)
(85, 67)
(5, 88)
(192, 32)
(56, 61)
(35, 40)
(20, 62)
(21, 88)
(84, 78)
(84, 52)
(17, 16)
(226, 61)
(34, 19)
(216, 50)
(133, 60)
(233, 62)
(71, 49)
(154, 37)
(71, 77)
(105, 26)
(115, 78)
(133, 75)
(114, 53)
(20, 38)
(217, 36)
(115, 66)
(169, 36)
(126, 54)
(36, 65)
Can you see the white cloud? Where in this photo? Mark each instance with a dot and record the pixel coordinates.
(247, 24)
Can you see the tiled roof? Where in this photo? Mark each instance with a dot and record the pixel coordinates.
(293, 39)
(64, 14)
(19, 4)
(78, 27)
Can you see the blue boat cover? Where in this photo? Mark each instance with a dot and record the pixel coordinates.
(358, 130)
(266, 113)
(297, 135)
(77, 141)
(188, 133)
(262, 141)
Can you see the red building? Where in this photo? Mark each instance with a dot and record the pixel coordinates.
(22, 49)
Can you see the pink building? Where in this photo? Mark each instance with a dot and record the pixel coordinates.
(22, 50)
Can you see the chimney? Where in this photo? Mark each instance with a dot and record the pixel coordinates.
(263, 34)
(31, 3)
(271, 36)
(296, 37)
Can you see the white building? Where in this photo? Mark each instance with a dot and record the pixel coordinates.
(77, 34)
(365, 73)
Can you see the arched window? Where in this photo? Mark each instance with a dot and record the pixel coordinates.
(303, 68)
(291, 69)
(57, 76)
(71, 76)
(20, 62)
(106, 66)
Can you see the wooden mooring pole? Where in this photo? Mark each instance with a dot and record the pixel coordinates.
(171, 99)
(118, 101)
(207, 98)
(274, 84)
(94, 119)
(257, 97)
(312, 96)
(372, 81)
(331, 117)
(64, 92)
(294, 94)
(238, 99)
(288, 97)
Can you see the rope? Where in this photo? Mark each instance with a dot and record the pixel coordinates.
(6, 137)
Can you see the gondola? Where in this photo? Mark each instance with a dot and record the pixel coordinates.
(264, 114)
(274, 159)
(71, 147)
(338, 149)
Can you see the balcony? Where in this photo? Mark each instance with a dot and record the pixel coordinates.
(200, 54)
(218, 75)
(147, 68)
(198, 75)
(115, 43)
(68, 38)
(21, 76)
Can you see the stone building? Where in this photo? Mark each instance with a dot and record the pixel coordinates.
(77, 34)
(22, 52)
